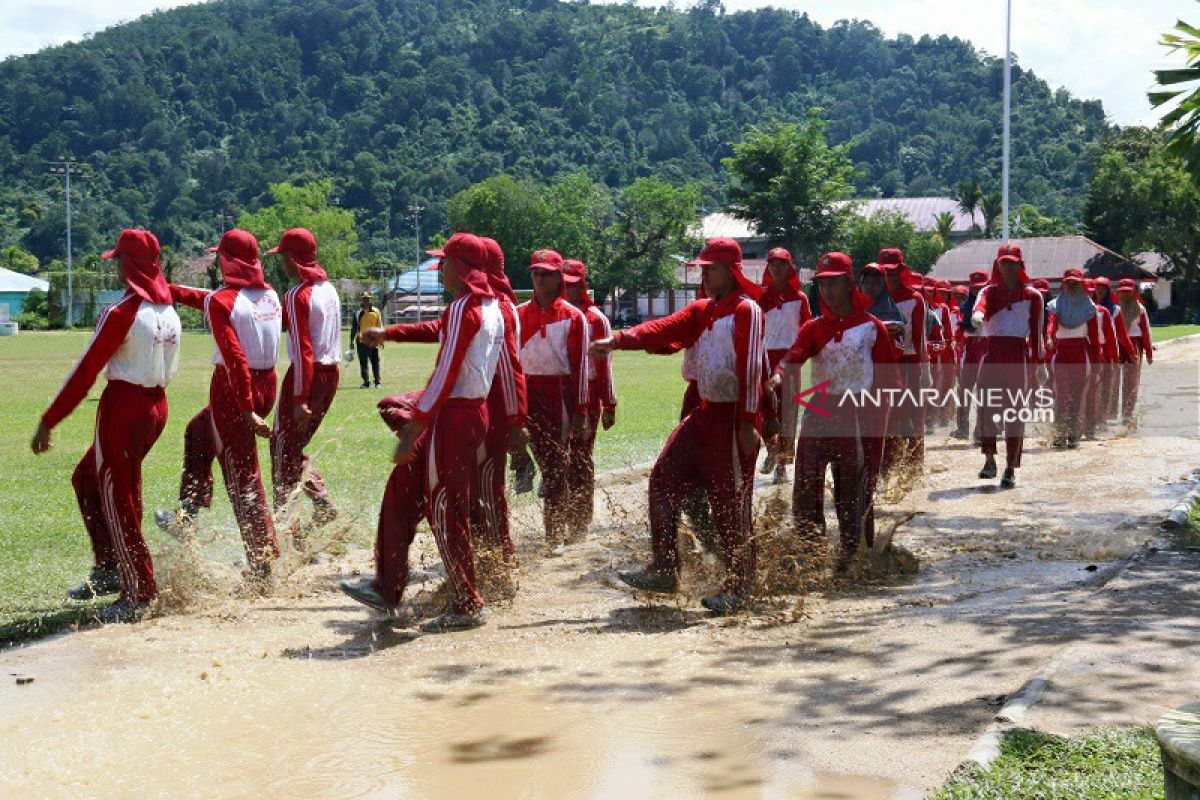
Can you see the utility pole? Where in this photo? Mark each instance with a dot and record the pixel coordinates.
(65, 166)
(1007, 105)
(416, 210)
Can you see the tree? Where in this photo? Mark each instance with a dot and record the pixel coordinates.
(969, 194)
(945, 225)
(308, 206)
(508, 210)
(866, 236)
(579, 210)
(650, 235)
(787, 180)
(18, 260)
(1181, 85)
(992, 208)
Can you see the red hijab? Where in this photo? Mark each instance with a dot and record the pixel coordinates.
(301, 245)
(575, 271)
(143, 272)
(470, 262)
(494, 268)
(772, 297)
(728, 252)
(1000, 297)
(238, 255)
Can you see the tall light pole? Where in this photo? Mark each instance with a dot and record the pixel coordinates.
(64, 166)
(416, 210)
(1007, 105)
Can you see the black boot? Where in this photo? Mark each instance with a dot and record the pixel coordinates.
(99, 581)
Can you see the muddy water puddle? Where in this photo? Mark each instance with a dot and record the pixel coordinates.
(98, 729)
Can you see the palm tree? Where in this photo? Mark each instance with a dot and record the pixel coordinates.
(991, 206)
(945, 225)
(1183, 84)
(968, 194)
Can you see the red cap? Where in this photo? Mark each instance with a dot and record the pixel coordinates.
(720, 250)
(1103, 281)
(1089, 284)
(835, 265)
(978, 279)
(872, 267)
(1009, 252)
(574, 271)
(548, 260)
(890, 258)
(298, 243)
(780, 254)
(960, 291)
(1073, 274)
(237, 244)
(1126, 284)
(1042, 285)
(134, 242)
(466, 247)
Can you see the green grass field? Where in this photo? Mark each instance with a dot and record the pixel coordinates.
(43, 547)
(1166, 332)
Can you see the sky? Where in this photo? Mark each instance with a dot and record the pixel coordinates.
(1101, 49)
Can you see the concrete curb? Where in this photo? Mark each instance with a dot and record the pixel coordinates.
(986, 748)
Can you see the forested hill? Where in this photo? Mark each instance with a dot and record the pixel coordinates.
(185, 114)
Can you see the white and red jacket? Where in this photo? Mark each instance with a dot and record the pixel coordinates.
(1011, 318)
(312, 316)
(245, 325)
(554, 343)
(508, 376)
(783, 314)
(1139, 333)
(853, 353)
(135, 341)
(600, 376)
(1085, 337)
(1114, 339)
(728, 355)
(471, 331)
(914, 310)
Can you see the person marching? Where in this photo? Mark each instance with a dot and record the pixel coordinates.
(941, 351)
(602, 405)
(1008, 312)
(245, 317)
(1137, 325)
(904, 453)
(366, 318)
(136, 344)
(554, 355)
(973, 349)
(507, 404)
(437, 455)
(851, 351)
(785, 308)
(1073, 337)
(1117, 350)
(716, 446)
(312, 317)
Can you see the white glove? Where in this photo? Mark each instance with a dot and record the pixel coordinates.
(349, 356)
(977, 319)
(1043, 374)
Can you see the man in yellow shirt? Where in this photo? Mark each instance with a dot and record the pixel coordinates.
(366, 319)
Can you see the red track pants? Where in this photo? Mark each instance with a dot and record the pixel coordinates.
(438, 485)
(490, 516)
(968, 378)
(702, 453)
(1005, 373)
(231, 441)
(581, 474)
(288, 461)
(855, 460)
(549, 426)
(108, 483)
(1131, 377)
(1073, 387)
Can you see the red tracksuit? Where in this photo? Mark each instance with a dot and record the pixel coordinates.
(702, 452)
(905, 446)
(1075, 356)
(312, 316)
(137, 344)
(971, 352)
(554, 343)
(1131, 372)
(507, 406)
(1013, 329)
(854, 354)
(439, 483)
(1117, 349)
(783, 314)
(581, 474)
(245, 324)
